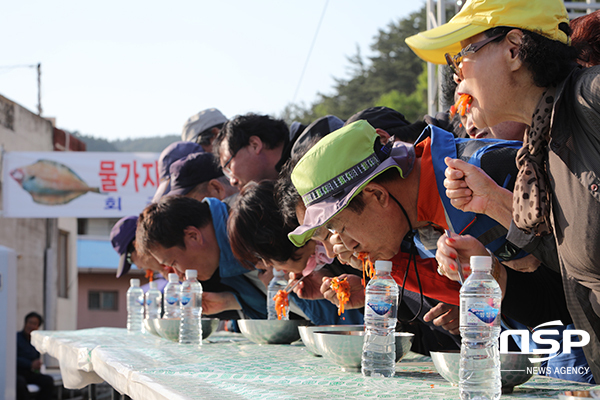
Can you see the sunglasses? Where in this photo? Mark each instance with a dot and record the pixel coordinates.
(455, 61)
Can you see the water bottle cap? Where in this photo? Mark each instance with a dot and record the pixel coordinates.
(385, 266)
(278, 273)
(481, 263)
(173, 278)
(191, 273)
(134, 282)
(153, 285)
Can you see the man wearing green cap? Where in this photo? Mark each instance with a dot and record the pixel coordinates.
(512, 57)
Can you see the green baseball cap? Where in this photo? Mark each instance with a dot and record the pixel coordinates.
(338, 167)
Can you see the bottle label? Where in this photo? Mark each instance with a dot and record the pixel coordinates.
(478, 312)
(140, 300)
(148, 301)
(172, 300)
(380, 308)
(185, 300)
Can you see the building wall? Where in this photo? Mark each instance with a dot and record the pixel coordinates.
(96, 318)
(22, 130)
(66, 309)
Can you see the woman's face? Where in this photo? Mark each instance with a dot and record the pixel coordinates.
(486, 77)
(298, 261)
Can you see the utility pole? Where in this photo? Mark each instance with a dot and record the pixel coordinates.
(39, 72)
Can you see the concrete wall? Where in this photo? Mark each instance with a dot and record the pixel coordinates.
(66, 309)
(104, 282)
(22, 130)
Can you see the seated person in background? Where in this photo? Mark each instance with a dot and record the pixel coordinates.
(203, 128)
(184, 233)
(29, 362)
(257, 231)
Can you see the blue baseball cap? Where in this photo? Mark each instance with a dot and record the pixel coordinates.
(169, 155)
(191, 171)
(121, 236)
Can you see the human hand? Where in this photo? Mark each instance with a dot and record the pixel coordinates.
(468, 187)
(344, 255)
(357, 291)
(310, 287)
(36, 365)
(445, 315)
(463, 247)
(214, 303)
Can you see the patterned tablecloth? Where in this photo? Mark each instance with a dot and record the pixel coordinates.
(228, 366)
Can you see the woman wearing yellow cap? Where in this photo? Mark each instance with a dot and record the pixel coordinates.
(513, 58)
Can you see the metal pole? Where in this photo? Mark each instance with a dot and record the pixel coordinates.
(441, 20)
(431, 77)
(39, 73)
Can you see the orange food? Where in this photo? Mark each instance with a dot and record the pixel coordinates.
(149, 275)
(462, 105)
(281, 303)
(368, 267)
(342, 290)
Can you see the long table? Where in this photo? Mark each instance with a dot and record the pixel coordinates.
(227, 366)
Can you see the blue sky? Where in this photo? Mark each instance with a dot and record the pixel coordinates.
(127, 69)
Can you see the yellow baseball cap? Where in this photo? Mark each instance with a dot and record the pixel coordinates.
(539, 16)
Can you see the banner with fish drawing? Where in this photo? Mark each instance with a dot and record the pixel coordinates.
(77, 184)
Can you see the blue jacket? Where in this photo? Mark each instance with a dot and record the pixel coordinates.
(251, 298)
(497, 159)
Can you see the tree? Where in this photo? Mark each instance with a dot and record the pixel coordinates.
(390, 76)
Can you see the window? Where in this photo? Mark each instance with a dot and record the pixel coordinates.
(63, 264)
(99, 300)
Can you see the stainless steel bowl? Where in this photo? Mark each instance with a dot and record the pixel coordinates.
(308, 337)
(209, 325)
(513, 367)
(149, 326)
(274, 331)
(169, 328)
(345, 348)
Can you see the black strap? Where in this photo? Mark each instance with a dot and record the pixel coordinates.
(412, 257)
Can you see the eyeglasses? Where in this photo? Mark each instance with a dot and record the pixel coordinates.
(454, 61)
(226, 171)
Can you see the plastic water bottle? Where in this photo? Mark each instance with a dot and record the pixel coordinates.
(135, 307)
(277, 283)
(172, 306)
(190, 328)
(381, 308)
(153, 301)
(480, 298)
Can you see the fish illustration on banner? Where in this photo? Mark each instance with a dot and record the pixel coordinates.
(51, 183)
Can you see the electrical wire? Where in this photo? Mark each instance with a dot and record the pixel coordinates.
(310, 52)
